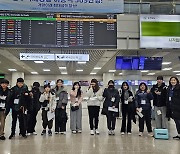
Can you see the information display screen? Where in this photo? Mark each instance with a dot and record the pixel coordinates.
(53, 30)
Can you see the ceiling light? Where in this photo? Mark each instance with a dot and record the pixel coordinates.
(112, 70)
(92, 73)
(166, 63)
(79, 70)
(167, 69)
(62, 68)
(178, 74)
(120, 73)
(150, 73)
(12, 70)
(34, 72)
(39, 62)
(63, 72)
(144, 71)
(81, 62)
(46, 70)
(97, 68)
(176, 71)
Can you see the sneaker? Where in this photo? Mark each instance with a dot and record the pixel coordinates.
(140, 134)
(11, 136)
(56, 132)
(43, 132)
(92, 132)
(113, 132)
(176, 137)
(109, 132)
(28, 134)
(74, 132)
(34, 133)
(97, 132)
(79, 131)
(129, 133)
(64, 133)
(122, 133)
(24, 135)
(2, 138)
(151, 134)
(49, 132)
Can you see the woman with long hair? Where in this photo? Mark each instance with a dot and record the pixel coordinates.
(76, 97)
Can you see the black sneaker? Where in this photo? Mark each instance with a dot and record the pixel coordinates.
(2, 138)
(176, 137)
(24, 135)
(49, 132)
(43, 132)
(11, 136)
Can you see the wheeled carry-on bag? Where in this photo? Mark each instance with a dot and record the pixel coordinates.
(161, 134)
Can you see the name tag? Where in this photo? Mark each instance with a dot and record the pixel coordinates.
(126, 102)
(2, 105)
(3, 97)
(159, 112)
(16, 101)
(170, 99)
(143, 102)
(113, 99)
(57, 98)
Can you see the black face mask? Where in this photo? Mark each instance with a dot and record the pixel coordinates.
(111, 86)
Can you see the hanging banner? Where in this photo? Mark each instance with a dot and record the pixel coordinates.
(83, 6)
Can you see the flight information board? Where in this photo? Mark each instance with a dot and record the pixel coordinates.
(55, 30)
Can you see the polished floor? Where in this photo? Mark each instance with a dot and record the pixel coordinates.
(86, 144)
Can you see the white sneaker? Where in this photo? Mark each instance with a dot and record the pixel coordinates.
(140, 134)
(97, 131)
(79, 131)
(92, 132)
(109, 132)
(150, 134)
(122, 133)
(113, 132)
(28, 134)
(64, 133)
(129, 133)
(56, 132)
(34, 133)
(74, 132)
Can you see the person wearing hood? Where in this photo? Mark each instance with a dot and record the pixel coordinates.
(60, 112)
(143, 99)
(4, 102)
(110, 106)
(159, 92)
(173, 103)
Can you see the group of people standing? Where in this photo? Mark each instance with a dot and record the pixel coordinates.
(25, 105)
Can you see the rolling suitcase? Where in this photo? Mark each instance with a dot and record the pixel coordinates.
(161, 134)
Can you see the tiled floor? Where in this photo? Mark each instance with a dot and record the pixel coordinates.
(87, 144)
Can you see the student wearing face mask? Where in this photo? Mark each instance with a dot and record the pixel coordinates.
(48, 103)
(127, 108)
(94, 94)
(60, 112)
(110, 106)
(143, 99)
(173, 103)
(76, 96)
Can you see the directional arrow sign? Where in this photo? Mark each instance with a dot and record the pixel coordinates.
(37, 56)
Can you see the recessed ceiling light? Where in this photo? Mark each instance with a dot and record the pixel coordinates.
(144, 71)
(63, 72)
(12, 70)
(39, 62)
(176, 71)
(81, 62)
(79, 70)
(167, 69)
(150, 73)
(166, 63)
(120, 73)
(112, 70)
(92, 73)
(46, 70)
(178, 74)
(34, 72)
(97, 68)
(62, 68)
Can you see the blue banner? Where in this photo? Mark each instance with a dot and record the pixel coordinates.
(84, 6)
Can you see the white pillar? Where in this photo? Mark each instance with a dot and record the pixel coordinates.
(16, 75)
(107, 77)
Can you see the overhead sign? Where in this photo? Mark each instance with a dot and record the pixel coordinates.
(87, 6)
(37, 56)
(72, 57)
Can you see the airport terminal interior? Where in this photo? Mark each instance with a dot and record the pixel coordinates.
(133, 41)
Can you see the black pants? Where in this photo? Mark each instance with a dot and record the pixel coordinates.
(32, 121)
(45, 120)
(111, 120)
(22, 122)
(60, 120)
(177, 122)
(93, 116)
(147, 118)
(126, 113)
